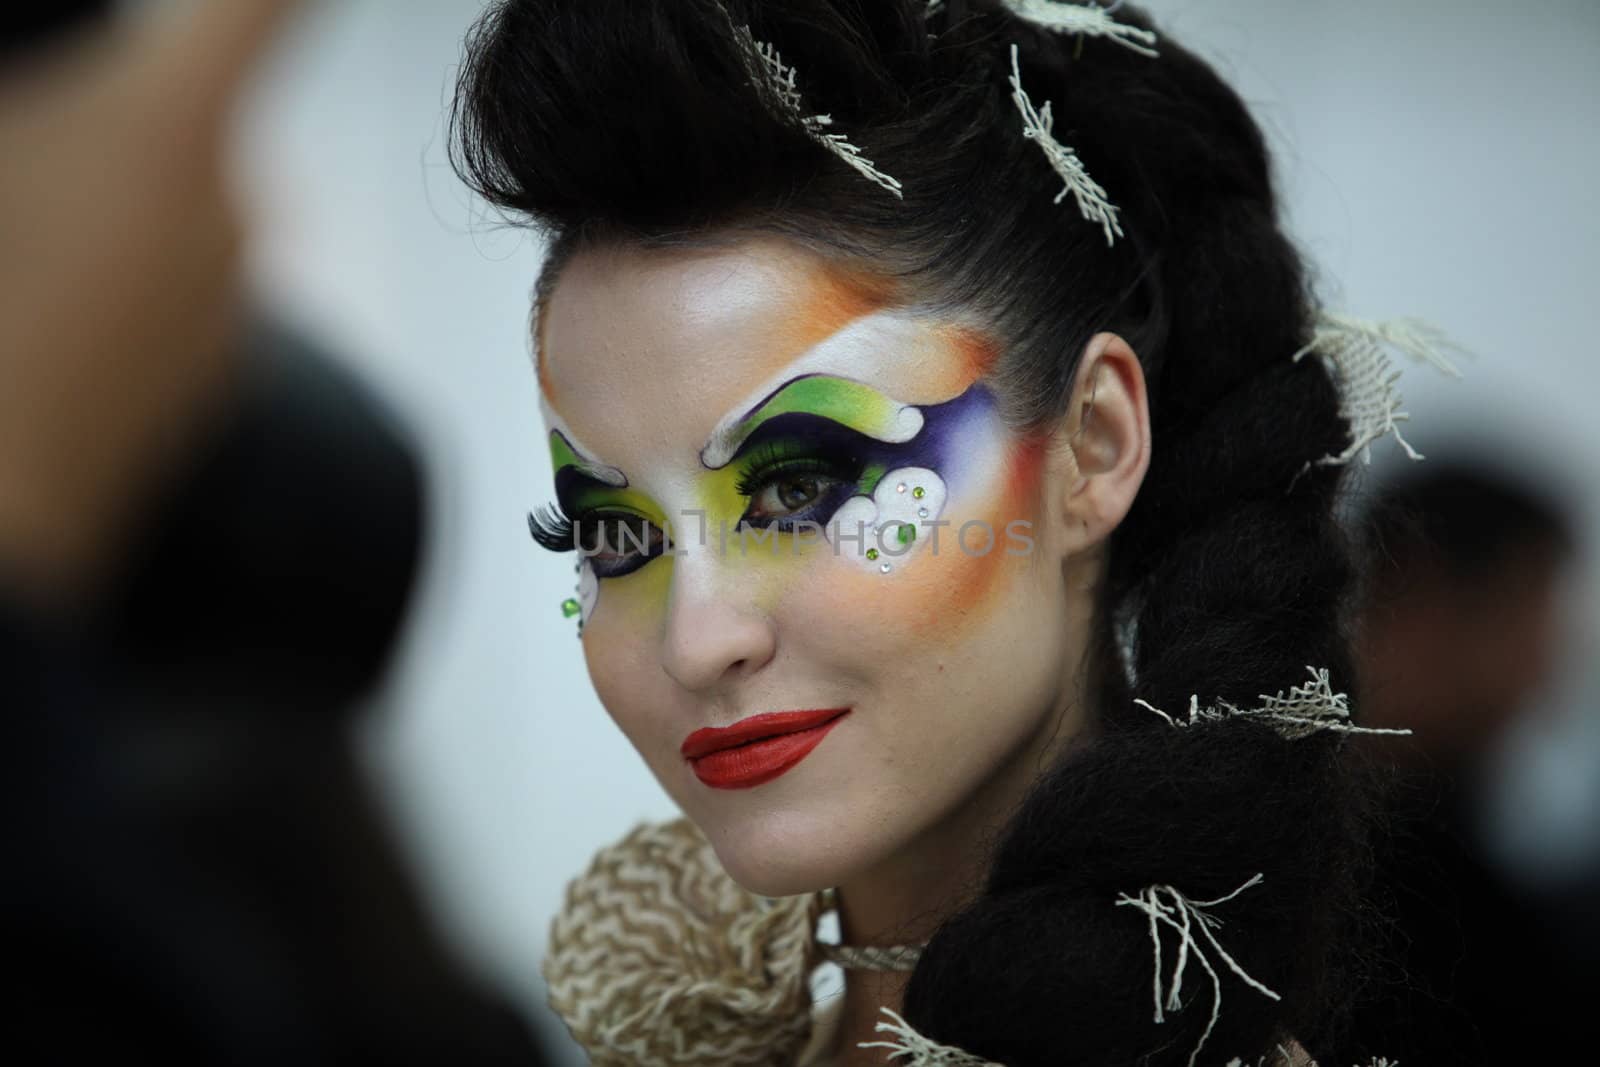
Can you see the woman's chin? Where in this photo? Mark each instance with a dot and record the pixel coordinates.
(772, 864)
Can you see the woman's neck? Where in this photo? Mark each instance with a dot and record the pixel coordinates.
(903, 900)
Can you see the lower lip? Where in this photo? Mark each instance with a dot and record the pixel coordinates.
(756, 762)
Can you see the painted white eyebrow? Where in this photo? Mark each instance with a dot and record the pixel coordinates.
(862, 351)
(600, 472)
(905, 423)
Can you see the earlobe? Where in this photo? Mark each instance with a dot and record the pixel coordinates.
(1105, 443)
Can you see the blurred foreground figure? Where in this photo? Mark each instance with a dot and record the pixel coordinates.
(1460, 630)
(206, 546)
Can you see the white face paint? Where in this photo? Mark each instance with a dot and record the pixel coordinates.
(588, 591)
(890, 526)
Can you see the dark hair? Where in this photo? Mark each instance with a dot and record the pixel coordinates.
(636, 120)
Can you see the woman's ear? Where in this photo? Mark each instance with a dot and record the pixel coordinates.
(1101, 449)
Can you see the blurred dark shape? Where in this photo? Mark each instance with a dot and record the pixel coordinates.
(1460, 628)
(27, 24)
(199, 872)
(1462, 620)
(287, 557)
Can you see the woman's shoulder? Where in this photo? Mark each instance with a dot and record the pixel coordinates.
(658, 956)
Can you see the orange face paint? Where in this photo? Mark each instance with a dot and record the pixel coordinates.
(979, 352)
(968, 583)
(832, 297)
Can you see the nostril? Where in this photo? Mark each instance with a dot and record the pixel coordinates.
(706, 647)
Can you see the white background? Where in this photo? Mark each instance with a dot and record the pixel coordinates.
(1438, 159)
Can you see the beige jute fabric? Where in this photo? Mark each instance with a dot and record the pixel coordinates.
(658, 957)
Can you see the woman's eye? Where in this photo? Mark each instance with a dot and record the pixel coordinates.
(618, 544)
(788, 494)
(797, 496)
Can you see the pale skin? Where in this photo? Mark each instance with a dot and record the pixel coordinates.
(964, 675)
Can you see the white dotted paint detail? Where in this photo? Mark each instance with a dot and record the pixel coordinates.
(910, 496)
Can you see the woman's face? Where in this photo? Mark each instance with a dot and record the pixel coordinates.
(923, 624)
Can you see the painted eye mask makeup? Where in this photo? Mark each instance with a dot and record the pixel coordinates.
(614, 528)
(820, 453)
(802, 471)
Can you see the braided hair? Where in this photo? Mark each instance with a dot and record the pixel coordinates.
(636, 120)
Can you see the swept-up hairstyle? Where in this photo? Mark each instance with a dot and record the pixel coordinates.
(636, 121)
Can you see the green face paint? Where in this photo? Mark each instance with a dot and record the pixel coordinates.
(871, 475)
(848, 403)
(563, 457)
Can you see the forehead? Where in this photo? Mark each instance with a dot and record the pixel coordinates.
(644, 349)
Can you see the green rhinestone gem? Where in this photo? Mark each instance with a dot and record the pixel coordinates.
(919, 492)
(906, 534)
(872, 553)
(570, 607)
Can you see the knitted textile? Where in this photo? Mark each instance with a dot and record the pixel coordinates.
(660, 958)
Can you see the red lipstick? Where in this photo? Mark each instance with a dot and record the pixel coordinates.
(757, 749)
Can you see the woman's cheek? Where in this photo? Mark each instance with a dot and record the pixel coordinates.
(628, 606)
(1006, 522)
(622, 638)
(957, 576)
(613, 663)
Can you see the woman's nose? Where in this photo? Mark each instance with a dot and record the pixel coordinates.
(711, 638)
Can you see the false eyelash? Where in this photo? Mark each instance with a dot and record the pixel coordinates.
(769, 458)
(551, 529)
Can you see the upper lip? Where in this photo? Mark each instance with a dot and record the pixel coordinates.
(768, 724)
